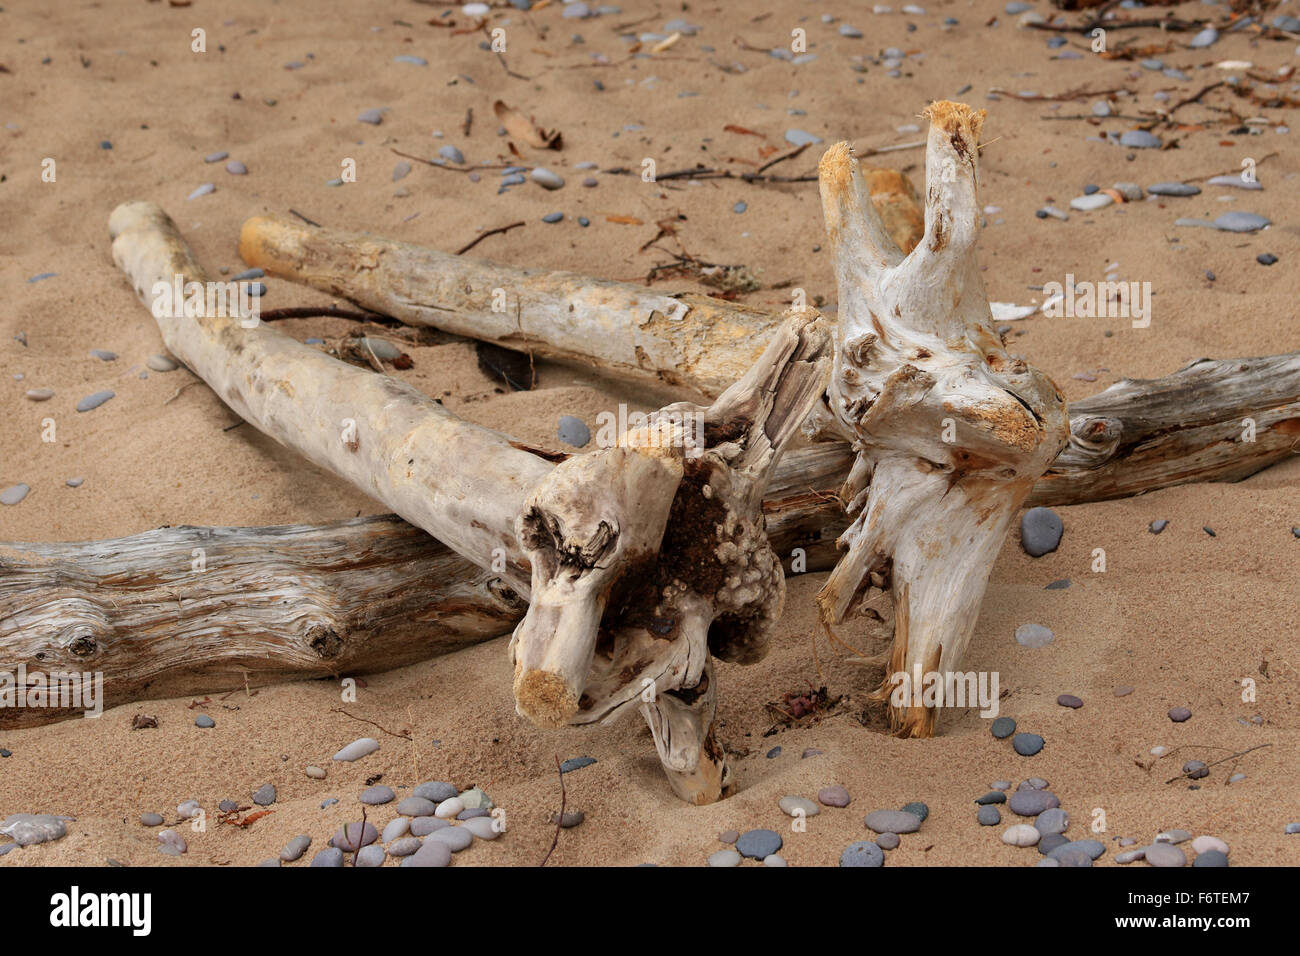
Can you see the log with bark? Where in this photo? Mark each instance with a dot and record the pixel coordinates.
(639, 561)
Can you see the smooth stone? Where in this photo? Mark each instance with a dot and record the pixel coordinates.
(1207, 37)
(265, 795)
(1139, 139)
(1292, 828)
(435, 791)
(1100, 108)
(774, 753)
(569, 820)
(1048, 861)
(1130, 191)
(1058, 585)
(14, 494)
(1173, 836)
(269, 862)
(1235, 181)
(1034, 635)
(472, 813)
(1030, 803)
(215, 157)
(413, 60)
(203, 190)
(475, 798)
(1021, 834)
(40, 394)
(834, 796)
(423, 826)
(377, 796)
(91, 402)
(1092, 848)
(370, 856)
(576, 763)
(162, 363)
(862, 853)
(1069, 700)
(448, 808)
(151, 819)
(103, 355)
(1157, 526)
(404, 846)
(795, 806)
(328, 802)
(993, 796)
(1179, 714)
(775, 860)
(188, 809)
(799, 137)
(1069, 855)
(1165, 855)
(373, 117)
(1237, 778)
(236, 168)
(173, 839)
(1129, 856)
(458, 838)
(757, 844)
(452, 155)
(725, 858)
(1041, 528)
(1052, 820)
(1264, 259)
(888, 841)
(1050, 841)
(1211, 858)
(850, 31)
(1204, 844)
(1001, 785)
(316, 773)
(1004, 727)
(573, 431)
(1097, 200)
(416, 807)
(1027, 744)
(893, 821)
(358, 749)
(988, 816)
(1174, 189)
(227, 806)
(431, 853)
(384, 350)
(332, 856)
(353, 836)
(546, 178)
(729, 836)
(1196, 769)
(1241, 222)
(395, 830)
(1123, 691)
(918, 809)
(401, 171)
(1034, 783)
(553, 217)
(483, 827)
(295, 848)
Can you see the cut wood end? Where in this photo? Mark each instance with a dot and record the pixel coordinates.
(836, 167)
(544, 698)
(956, 118)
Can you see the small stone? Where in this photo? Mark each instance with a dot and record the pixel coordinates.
(353, 836)
(449, 808)
(1157, 526)
(475, 798)
(1027, 744)
(918, 809)
(1058, 585)
(850, 31)
(757, 844)
(1266, 258)
(1034, 635)
(1069, 700)
(188, 809)
(1241, 222)
(404, 846)
(993, 796)
(1130, 191)
(1174, 189)
(1165, 855)
(862, 853)
(401, 171)
(434, 790)
(203, 190)
(423, 826)
(377, 796)
(1030, 803)
(236, 168)
(1139, 139)
(103, 355)
(773, 753)
(373, 117)
(316, 773)
(295, 848)
(395, 830)
(576, 763)
(331, 856)
(834, 796)
(370, 856)
(1207, 37)
(215, 157)
(1040, 530)
(546, 178)
(725, 858)
(1097, 200)
(814, 752)
(151, 819)
(553, 217)
(1034, 783)
(888, 841)
(1049, 841)
(988, 816)
(357, 749)
(1292, 828)
(775, 860)
(1211, 858)
(1021, 834)
(416, 807)
(171, 843)
(569, 820)
(432, 853)
(162, 363)
(1004, 727)
(227, 806)
(1179, 714)
(729, 836)
(798, 137)
(893, 821)
(573, 431)
(91, 402)
(1173, 836)
(457, 838)
(452, 154)
(1052, 820)
(1237, 778)
(1090, 848)
(1207, 844)
(798, 806)
(1129, 856)
(14, 494)
(40, 394)
(1196, 769)
(1123, 690)
(265, 795)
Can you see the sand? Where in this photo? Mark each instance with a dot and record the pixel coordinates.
(1182, 617)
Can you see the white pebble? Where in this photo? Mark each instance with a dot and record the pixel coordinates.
(1204, 844)
(358, 749)
(482, 827)
(449, 808)
(1022, 834)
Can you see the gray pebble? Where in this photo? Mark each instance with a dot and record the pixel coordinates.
(798, 137)
(573, 431)
(757, 844)
(1034, 635)
(358, 749)
(215, 157)
(546, 178)
(395, 830)
(377, 796)
(269, 862)
(432, 853)
(988, 816)
(1207, 37)
(401, 170)
(103, 355)
(373, 117)
(332, 856)
(1128, 856)
(918, 809)
(418, 806)
(370, 856)
(1052, 820)
(1139, 139)
(1050, 841)
(295, 848)
(452, 155)
(1173, 836)
(40, 394)
(1235, 181)
(576, 763)
(993, 796)
(1292, 828)
(1179, 714)
(725, 858)
(172, 839)
(553, 217)
(485, 828)
(14, 494)
(162, 363)
(204, 721)
(1174, 189)
(1165, 855)
(1004, 727)
(1034, 783)
(1030, 803)
(316, 773)
(203, 190)
(91, 402)
(862, 853)
(1040, 530)
(353, 836)
(423, 826)
(435, 791)
(1241, 222)
(236, 168)
(1215, 858)
(834, 796)
(893, 821)
(1130, 191)
(1092, 848)
(729, 836)
(265, 795)
(888, 841)
(570, 819)
(850, 31)
(1196, 769)
(457, 838)
(227, 806)
(1157, 526)
(151, 819)
(1027, 744)
(1069, 700)
(405, 846)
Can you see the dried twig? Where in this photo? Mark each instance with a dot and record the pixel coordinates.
(340, 710)
(309, 222)
(559, 823)
(483, 235)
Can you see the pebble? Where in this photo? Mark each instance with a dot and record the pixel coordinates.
(316, 773)
(357, 749)
(227, 806)
(576, 763)
(1058, 585)
(370, 856)
(1196, 769)
(793, 806)
(295, 848)
(435, 791)
(1179, 714)
(1241, 222)
(215, 157)
(162, 363)
(401, 171)
(993, 796)
(739, 207)
(1173, 836)
(725, 858)
(1027, 744)
(1001, 785)
(404, 846)
(1165, 855)
(1139, 139)
(40, 394)
(432, 853)
(1034, 635)
(91, 402)
(449, 808)
(1004, 727)
(457, 838)
(1130, 191)
(1292, 828)
(416, 807)
(188, 809)
(1206, 844)
(1174, 189)
(1207, 37)
(1091, 848)
(775, 860)
(1100, 108)
(1129, 856)
(1157, 526)
(1040, 530)
(1211, 858)
(423, 826)
(573, 431)
(888, 841)
(1053, 212)
(1237, 778)
(893, 821)
(850, 31)
(395, 830)
(377, 796)
(1030, 803)
(413, 60)
(328, 802)
(1052, 820)
(1123, 690)
(203, 190)
(569, 820)
(265, 795)
(1266, 258)
(485, 827)
(773, 753)
(373, 117)
(1235, 181)
(1097, 200)
(1034, 783)
(728, 836)
(103, 355)
(151, 819)
(799, 137)
(331, 856)
(474, 798)
(236, 168)
(171, 843)
(918, 809)
(862, 853)
(758, 844)
(834, 796)
(452, 154)
(1069, 700)
(14, 494)
(353, 836)
(553, 217)
(988, 816)
(1021, 834)
(1049, 841)
(546, 178)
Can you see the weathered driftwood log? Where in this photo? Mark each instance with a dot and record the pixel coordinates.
(951, 431)
(178, 611)
(686, 340)
(639, 559)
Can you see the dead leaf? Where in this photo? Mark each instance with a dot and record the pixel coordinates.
(522, 127)
(766, 151)
(625, 220)
(733, 128)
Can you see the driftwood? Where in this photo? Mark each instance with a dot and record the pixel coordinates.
(638, 560)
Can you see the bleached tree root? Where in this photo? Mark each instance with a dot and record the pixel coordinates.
(950, 430)
(641, 559)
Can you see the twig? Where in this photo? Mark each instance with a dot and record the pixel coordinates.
(1079, 94)
(1240, 753)
(781, 159)
(229, 428)
(177, 394)
(360, 837)
(449, 166)
(559, 822)
(309, 312)
(340, 710)
(844, 644)
(483, 235)
(309, 222)
(469, 122)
